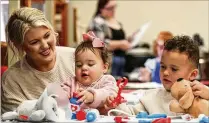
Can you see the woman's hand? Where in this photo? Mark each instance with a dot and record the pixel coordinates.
(200, 90)
(85, 96)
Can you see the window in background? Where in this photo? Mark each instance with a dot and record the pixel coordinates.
(4, 18)
(38, 4)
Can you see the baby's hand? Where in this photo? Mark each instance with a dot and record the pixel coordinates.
(108, 103)
(85, 96)
(200, 90)
(66, 87)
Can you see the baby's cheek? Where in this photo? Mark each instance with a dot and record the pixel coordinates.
(77, 72)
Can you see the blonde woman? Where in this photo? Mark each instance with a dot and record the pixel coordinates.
(40, 61)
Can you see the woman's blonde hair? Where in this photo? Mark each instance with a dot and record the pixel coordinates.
(20, 21)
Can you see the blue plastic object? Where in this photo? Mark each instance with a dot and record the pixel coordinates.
(73, 116)
(145, 115)
(74, 105)
(204, 119)
(157, 116)
(92, 115)
(144, 121)
(74, 100)
(142, 115)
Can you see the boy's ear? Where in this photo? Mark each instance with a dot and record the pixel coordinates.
(106, 66)
(193, 74)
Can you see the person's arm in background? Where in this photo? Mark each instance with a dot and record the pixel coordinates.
(100, 30)
(146, 72)
(122, 45)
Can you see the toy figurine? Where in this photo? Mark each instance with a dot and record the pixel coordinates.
(74, 105)
(185, 101)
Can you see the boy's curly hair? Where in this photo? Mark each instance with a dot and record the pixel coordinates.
(184, 44)
(87, 45)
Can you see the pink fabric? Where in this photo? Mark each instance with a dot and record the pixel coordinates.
(96, 42)
(103, 88)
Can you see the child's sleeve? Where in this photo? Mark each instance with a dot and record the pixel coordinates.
(140, 106)
(107, 87)
(131, 109)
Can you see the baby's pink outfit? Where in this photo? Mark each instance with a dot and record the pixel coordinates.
(101, 89)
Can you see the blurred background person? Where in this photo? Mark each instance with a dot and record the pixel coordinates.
(151, 70)
(106, 27)
(196, 37)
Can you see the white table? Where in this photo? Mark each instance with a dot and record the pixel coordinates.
(108, 119)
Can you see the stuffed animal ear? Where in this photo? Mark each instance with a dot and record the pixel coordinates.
(50, 107)
(175, 90)
(187, 99)
(175, 107)
(41, 98)
(56, 89)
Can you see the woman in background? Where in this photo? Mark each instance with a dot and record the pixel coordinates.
(107, 28)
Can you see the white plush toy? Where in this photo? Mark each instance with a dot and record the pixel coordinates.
(44, 108)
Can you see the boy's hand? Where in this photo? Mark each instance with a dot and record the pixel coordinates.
(85, 96)
(66, 87)
(108, 102)
(200, 90)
